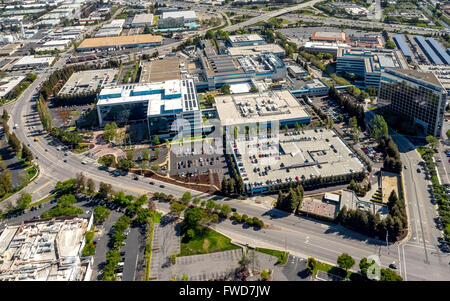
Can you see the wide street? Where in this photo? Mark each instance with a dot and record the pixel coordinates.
(300, 236)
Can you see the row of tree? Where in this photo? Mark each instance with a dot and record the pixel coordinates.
(352, 108)
(368, 269)
(372, 225)
(234, 184)
(291, 201)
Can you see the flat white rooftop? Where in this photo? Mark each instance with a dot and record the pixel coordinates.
(168, 97)
(186, 14)
(43, 250)
(32, 60)
(245, 38)
(259, 107)
(8, 83)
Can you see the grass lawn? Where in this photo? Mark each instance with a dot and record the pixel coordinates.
(282, 256)
(422, 150)
(31, 172)
(334, 270)
(210, 242)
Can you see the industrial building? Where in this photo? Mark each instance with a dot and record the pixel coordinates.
(159, 104)
(440, 52)
(171, 23)
(168, 68)
(9, 49)
(245, 40)
(325, 47)
(30, 61)
(262, 107)
(144, 40)
(89, 81)
(404, 48)
(256, 49)
(369, 40)
(53, 45)
(188, 15)
(417, 96)
(368, 63)
(328, 36)
(442, 72)
(225, 69)
(45, 250)
(8, 83)
(429, 52)
(264, 163)
(112, 29)
(142, 20)
(297, 71)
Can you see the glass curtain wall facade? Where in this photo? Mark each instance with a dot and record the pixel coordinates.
(417, 96)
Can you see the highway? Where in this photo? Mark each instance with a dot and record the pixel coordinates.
(267, 16)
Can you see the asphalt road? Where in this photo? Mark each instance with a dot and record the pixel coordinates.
(267, 16)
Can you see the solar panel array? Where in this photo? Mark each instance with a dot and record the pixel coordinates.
(439, 50)
(428, 51)
(400, 41)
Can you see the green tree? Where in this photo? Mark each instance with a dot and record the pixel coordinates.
(225, 89)
(145, 154)
(364, 265)
(105, 191)
(311, 265)
(379, 128)
(90, 186)
(110, 131)
(186, 197)
(27, 155)
(130, 155)
(176, 208)
(389, 275)
(5, 115)
(14, 142)
(101, 213)
(23, 201)
(433, 142)
(448, 134)
(345, 261)
(5, 182)
(156, 140)
(265, 274)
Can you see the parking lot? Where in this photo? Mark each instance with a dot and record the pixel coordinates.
(200, 158)
(207, 266)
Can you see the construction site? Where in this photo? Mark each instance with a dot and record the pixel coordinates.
(45, 250)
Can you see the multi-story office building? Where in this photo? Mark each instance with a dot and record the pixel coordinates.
(159, 104)
(226, 69)
(417, 96)
(368, 63)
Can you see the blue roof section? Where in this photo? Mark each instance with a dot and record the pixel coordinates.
(400, 41)
(439, 50)
(428, 51)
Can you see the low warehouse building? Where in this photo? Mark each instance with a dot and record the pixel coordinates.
(144, 40)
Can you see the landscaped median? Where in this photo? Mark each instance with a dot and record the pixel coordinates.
(282, 256)
(149, 242)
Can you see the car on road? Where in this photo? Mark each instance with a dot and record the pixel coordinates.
(83, 162)
(406, 167)
(418, 170)
(135, 178)
(65, 160)
(152, 183)
(393, 266)
(162, 186)
(233, 209)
